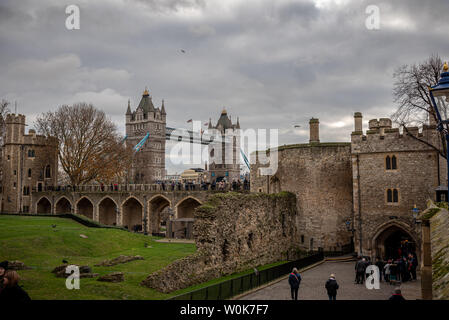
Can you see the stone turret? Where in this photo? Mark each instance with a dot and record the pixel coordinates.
(314, 125)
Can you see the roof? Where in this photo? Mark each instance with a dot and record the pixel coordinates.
(145, 103)
(224, 120)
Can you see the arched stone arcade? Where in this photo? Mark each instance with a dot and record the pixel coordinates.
(43, 206)
(85, 208)
(108, 212)
(63, 205)
(158, 213)
(132, 212)
(182, 226)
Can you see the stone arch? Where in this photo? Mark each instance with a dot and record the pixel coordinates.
(43, 205)
(132, 213)
(107, 211)
(387, 237)
(85, 207)
(63, 205)
(185, 208)
(156, 207)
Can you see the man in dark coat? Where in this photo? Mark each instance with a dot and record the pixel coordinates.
(294, 280)
(360, 268)
(397, 295)
(332, 287)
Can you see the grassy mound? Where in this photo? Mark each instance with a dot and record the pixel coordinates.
(33, 241)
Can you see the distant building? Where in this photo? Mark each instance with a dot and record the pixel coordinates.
(30, 163)
(149, 123)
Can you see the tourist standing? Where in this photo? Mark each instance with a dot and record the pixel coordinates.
(331, 287)
(11, 290)
(360, 269)
(380, 265)
(387, 270)
(294, 280)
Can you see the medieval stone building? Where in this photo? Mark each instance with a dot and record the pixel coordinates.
(147, 125)
(361, 193)
(30, 164)
(224, 153)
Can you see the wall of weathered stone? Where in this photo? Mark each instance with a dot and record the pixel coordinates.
(419, 171)
(234, 232)
(439, 238)
(319, 174)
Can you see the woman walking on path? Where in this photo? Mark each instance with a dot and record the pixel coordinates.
(294, 279)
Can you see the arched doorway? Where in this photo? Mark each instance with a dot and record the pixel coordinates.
(43, 206)
(183, 224)
(394, 242)
(107, 212)
(63, 206)
(158, 214)
(186, 208)
(132, 214)
(86, 208)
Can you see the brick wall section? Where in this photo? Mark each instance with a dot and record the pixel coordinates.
(234, 232)
(319, 174)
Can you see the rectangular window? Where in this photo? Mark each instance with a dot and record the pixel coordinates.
(392, 196)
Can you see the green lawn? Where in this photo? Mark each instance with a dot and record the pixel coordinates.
(33, 241)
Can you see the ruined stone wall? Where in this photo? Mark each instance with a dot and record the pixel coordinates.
(234, 232)
(320, 176)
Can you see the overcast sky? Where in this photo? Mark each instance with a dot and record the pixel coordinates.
(274, 64)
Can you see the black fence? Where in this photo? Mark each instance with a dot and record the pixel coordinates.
(236, 286)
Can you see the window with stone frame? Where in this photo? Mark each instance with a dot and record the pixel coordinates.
(391, 162)
(48, 171)
(29, 173)
(392, 195)
(26, 190)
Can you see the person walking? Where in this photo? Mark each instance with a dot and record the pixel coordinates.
(294, 280)
(331, 287)
(11, 290)
(413, 264)
(397, 295)
(360, 269)
(380, 265)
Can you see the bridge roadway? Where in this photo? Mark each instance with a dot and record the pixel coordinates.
(313, 280)
(124, 205)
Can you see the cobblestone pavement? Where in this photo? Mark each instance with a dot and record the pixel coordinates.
(313, 280)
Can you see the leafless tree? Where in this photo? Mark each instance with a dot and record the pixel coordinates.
(411, 93)
(89, 147)
(4, 111)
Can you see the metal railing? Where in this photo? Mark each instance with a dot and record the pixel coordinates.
(142, 187)
(232, 287)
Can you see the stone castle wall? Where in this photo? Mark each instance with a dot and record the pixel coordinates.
(319, 174)
(234, 232)
(419, 171)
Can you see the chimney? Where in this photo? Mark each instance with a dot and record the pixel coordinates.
(358, 122)
(314, 130)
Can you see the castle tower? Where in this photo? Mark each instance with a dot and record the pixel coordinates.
(149, 161)
(29, 163)
(224, 156)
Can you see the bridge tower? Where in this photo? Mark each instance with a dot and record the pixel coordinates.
(149, 161)
(224, 158)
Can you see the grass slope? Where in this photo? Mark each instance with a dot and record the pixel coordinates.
(33, 241)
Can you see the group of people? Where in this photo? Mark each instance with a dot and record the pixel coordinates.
(402, 269)
(294, 280)
(9, 285)
(222, 185)
(332, 286)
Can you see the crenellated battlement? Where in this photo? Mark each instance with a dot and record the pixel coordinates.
(382, 136)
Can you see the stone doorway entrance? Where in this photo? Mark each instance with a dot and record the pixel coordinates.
(394, 242)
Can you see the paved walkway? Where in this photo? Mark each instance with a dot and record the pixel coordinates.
(313, 280)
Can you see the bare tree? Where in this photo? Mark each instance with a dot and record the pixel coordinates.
(411, 93)
(4, 111)
(89, 147)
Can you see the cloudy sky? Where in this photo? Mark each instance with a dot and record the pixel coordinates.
(274, 64)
